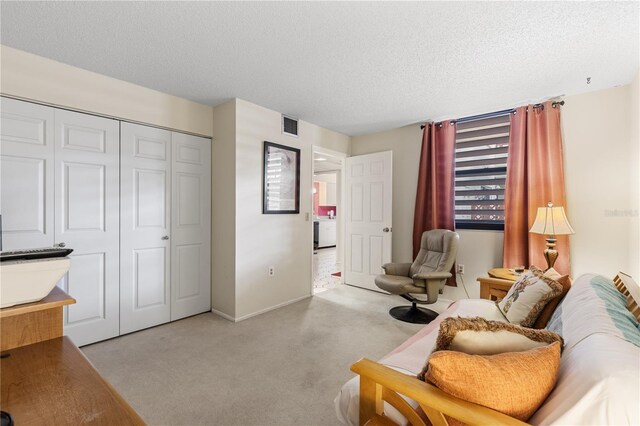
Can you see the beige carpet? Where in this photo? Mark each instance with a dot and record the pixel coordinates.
(281, 368)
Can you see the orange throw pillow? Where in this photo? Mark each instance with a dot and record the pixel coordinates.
(514, 383)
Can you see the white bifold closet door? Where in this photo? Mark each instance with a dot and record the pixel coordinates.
(190, 225)
(26, 175)
(145, 251)
(87, 215)
(165, 226)
(139, 223)
(59, 186)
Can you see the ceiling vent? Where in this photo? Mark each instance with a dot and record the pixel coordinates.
(289, 126)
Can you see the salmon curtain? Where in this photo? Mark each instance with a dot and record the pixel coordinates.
(435, 195)
(535, 176)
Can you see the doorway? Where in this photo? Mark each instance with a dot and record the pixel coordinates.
(328, 222)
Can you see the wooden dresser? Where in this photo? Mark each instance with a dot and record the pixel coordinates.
(45, 379)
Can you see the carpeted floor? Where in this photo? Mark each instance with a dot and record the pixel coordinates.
(281, 368)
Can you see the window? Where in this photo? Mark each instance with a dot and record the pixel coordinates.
(481, 171)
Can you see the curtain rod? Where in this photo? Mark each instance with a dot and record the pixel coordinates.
(494, 114)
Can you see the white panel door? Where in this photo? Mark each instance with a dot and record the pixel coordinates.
(87, 220)
(145, 221)
(368, 210)
(26, 175)
(190, 226)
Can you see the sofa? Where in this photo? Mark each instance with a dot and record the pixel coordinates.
(598, 381)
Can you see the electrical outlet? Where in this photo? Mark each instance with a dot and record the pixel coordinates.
(272, 271)
(460, 269)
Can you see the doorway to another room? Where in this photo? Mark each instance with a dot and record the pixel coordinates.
(327, 221)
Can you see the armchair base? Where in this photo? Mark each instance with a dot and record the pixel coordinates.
(413, 314)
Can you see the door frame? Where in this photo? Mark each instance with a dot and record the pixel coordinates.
(340, 220)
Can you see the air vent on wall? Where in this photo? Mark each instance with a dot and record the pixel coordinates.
(289, 126)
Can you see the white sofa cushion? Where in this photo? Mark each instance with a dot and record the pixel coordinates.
(598, 384)
(599, 377)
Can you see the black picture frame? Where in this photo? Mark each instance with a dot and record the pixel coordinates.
(280, 179)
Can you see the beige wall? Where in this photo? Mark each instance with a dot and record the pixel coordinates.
(634, 187)
(601, 155)
(223, 200)
(282, 241)
(597, 141)
(35, 78)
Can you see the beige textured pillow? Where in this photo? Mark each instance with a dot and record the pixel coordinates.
(514, 383)
(528, 297)
(478, 336)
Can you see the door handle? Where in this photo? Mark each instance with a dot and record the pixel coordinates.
(61, 245)
(386, 229)
(166, 237)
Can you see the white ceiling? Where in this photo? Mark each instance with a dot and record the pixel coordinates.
(354, 67)
(325, 163)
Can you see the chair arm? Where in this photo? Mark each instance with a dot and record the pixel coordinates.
(377, 380)
(401, 269)
(431, 276)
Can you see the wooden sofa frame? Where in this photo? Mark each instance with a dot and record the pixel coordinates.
(380, 384)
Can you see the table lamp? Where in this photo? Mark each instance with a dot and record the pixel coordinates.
(551, 221)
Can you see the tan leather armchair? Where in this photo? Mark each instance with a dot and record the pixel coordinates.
(426, 275)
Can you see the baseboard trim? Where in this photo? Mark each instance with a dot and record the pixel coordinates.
(223, 315)
(262, 311)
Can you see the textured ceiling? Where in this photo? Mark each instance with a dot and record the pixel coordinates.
(354, 67)
(325, 163)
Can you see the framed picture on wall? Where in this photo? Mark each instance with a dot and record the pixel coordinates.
(281, 179)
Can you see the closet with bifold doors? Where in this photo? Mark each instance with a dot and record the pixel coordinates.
(133, 201)
(59, 187)
(165, 226)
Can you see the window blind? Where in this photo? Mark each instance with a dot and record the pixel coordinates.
(481, 171)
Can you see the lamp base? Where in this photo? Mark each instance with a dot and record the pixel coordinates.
(551, 254)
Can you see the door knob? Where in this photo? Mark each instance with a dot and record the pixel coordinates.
(62, 245)
(386, 229)
(166, 237)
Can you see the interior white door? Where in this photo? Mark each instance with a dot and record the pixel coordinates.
(368, 210)
(87, 220)
(26, 175)
(145, 222)
(190, 225)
